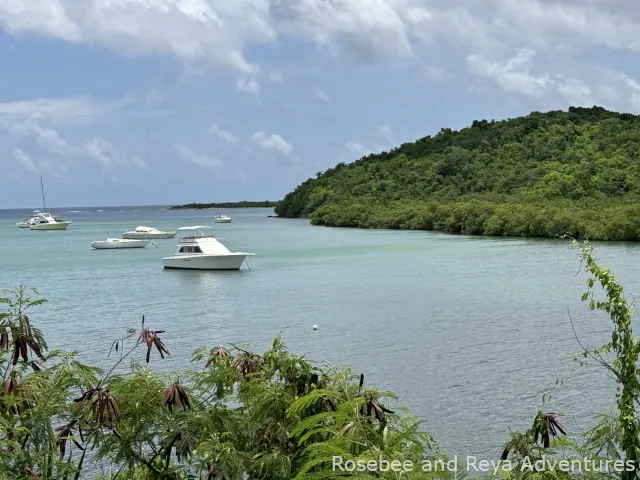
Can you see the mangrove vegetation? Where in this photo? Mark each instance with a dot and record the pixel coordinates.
(574, 173)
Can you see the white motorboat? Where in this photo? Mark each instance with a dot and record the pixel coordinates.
(46, 221)
(198, 249)
(222, 219)
(110, 243)
(43, 220)
(147, 233)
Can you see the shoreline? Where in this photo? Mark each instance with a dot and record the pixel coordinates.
(222, 205)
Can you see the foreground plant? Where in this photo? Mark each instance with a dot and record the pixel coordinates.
(234, 414)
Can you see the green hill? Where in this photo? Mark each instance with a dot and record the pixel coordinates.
(558, 173)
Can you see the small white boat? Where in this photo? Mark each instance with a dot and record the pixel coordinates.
(110, 243)
(198, 249)
(222, 219)
(43, 220)
(147, 233)
(46, 221)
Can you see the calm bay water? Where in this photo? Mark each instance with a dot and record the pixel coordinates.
(469, 331)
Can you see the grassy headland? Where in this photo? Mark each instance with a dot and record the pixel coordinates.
(571, 173)
(201, 206)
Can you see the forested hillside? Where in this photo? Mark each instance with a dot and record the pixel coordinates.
(558, 173)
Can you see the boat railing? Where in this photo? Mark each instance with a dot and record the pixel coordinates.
(195, 237)
(201, 231)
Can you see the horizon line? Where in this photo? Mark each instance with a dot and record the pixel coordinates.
(142, 205)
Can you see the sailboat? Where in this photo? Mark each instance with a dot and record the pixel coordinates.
(43, 220)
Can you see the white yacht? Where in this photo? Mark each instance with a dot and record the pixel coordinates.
(46, 221)
(43, 220)
(147, 233)
(111, 243)
(198, 249)
(222, 219)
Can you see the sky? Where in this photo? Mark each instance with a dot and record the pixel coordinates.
(156, 102)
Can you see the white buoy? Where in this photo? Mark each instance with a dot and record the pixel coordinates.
(315, 327)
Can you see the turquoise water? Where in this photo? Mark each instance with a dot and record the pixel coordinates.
(469, 331)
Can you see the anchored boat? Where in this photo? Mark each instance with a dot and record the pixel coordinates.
(110, 243)
(198, 249)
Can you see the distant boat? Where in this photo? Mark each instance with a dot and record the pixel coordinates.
(46, 221)
(222, 219)
(43, 220)
(147, 233)
(198, 249)
(111, 243)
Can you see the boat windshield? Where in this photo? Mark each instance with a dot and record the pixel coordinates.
(196, 231)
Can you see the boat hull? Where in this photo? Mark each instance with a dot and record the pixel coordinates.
(147, 236)
(225, 220)
(50, 226)
(23, 225)
(106, 245)
(205, 262)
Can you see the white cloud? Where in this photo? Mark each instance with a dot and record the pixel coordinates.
(359, 149)
(47, 138)
(108, 156)
(576, 92)
(222, 134)
(369, 29)
(204, 161)
(249, 85)
(355, 147)
(24, 159)
(102, 151)
(218, 32)
(194, 31)
(513, 75)
(74, 110)
(598, 86)
(273, 142)
(320, 94)
(385, 132)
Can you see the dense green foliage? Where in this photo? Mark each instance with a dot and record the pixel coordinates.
(200, 206)
(236, 415)
(559, 173)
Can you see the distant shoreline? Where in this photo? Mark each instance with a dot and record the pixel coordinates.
(205, 206)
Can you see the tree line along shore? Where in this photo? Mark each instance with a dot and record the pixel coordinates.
(560, 173)
(202, 206)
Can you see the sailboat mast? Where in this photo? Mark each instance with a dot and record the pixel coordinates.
(44, 205)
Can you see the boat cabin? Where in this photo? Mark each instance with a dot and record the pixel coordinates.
(199, 240)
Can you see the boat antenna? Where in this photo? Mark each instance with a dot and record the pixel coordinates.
(44, 205)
